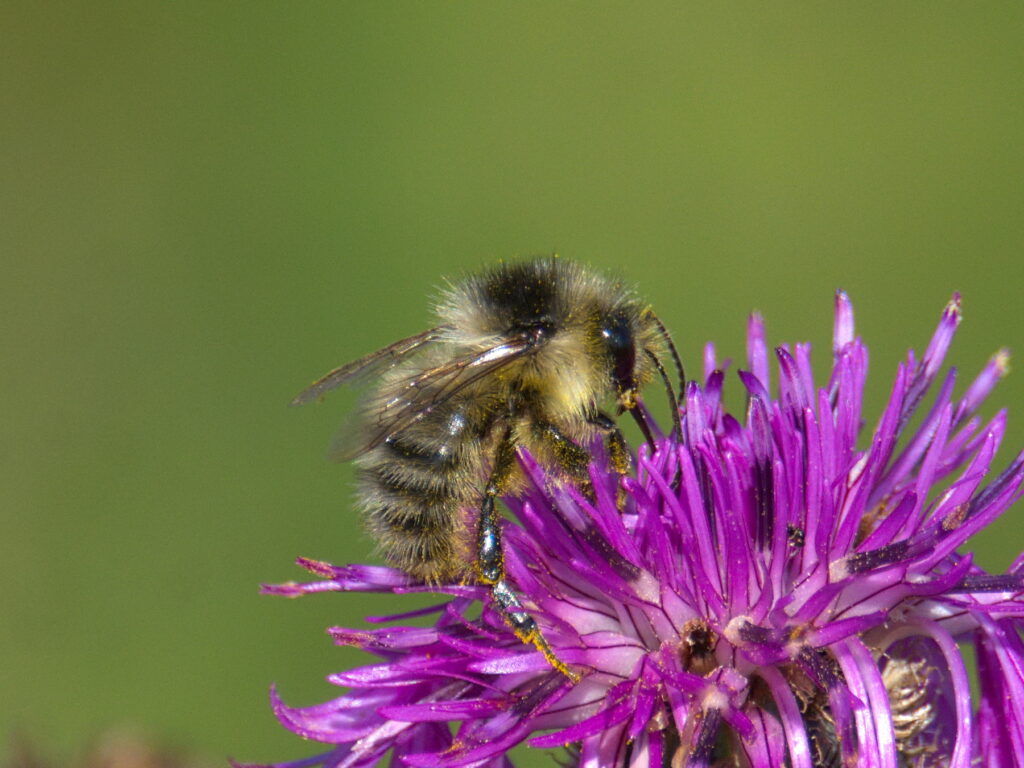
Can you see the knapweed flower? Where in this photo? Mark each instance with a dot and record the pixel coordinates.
(780, 588)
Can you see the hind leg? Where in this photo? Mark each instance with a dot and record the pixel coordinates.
(490, 561)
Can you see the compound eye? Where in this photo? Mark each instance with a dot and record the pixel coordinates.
(618, 339)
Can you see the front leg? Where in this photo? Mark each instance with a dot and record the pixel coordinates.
(618, 453)
(614, 441)
(490, 560)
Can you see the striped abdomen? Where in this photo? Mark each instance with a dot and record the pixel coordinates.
(414, 487)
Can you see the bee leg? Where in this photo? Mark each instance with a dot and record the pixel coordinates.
(615, 443)
(618, 453)
(491, 562)
(572, 458)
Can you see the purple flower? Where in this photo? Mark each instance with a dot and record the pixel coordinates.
(782, 588)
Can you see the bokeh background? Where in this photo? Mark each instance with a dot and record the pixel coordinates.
(205, 205)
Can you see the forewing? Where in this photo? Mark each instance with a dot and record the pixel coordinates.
(404, 402)
(370, 365)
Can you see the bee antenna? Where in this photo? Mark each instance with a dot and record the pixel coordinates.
(673, 403)
(672, 351)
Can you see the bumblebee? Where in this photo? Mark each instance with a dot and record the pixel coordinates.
(524, 354)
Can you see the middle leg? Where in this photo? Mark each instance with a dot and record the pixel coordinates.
(574, 459)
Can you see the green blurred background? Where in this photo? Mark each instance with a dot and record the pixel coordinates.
(205, 205)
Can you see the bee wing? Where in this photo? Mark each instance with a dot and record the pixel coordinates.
(408, 400)
(369, 365)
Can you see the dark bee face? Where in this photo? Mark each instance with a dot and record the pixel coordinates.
(617, 338)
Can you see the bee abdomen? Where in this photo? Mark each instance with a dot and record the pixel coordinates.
(413, 509)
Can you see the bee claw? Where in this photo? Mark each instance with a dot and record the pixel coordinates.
(535, 638)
